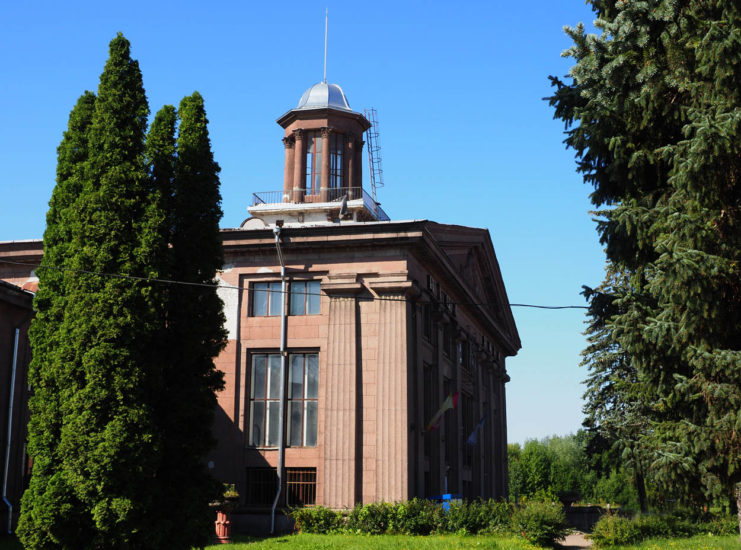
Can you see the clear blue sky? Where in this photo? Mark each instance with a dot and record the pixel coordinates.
(463, 129)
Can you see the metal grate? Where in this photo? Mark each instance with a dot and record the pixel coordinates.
(301, 486)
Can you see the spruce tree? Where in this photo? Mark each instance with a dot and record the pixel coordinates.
(653, 114)
(94, 444)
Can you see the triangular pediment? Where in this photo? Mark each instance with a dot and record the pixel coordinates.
(471, 253)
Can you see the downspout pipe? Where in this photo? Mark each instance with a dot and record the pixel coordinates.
(9, 439)
(282, 404)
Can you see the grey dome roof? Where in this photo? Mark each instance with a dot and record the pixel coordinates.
(322, 95)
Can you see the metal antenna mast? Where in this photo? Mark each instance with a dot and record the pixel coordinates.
(374, 152)
(326, 21)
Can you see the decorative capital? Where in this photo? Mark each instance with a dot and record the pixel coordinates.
(289, 142)
(326, 131)
(298, 133)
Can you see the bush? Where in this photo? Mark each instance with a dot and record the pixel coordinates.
(612, 530)
(317, 520)
(478, 516)
(541, 523)
(373, 519)
(417, 517)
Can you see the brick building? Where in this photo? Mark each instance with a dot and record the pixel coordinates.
(383, 320)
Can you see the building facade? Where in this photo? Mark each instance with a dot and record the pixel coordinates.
(15, 316)
(382, 322)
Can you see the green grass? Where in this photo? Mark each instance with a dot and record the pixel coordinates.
(703, 542)
(401, 542)
(377, 542)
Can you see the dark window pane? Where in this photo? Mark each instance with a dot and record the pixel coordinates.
(259, 299)
(296, 415)
(272, 428)
(312, 376)
(257, 421)
(275, 298)
(310, 424)
(296, 382)
(312, 300)
(258, 376)
(298, 296)
(274, 379)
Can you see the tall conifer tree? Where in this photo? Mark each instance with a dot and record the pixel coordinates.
(654, 115)
(95, 447)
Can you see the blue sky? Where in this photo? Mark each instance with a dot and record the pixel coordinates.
(466, 137)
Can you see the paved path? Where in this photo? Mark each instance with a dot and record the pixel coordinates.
(576, 541)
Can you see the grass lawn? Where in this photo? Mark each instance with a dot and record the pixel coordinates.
(695, 543)
(378, 542)
(400, 542)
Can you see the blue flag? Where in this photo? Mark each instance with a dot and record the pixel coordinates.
(473, 439)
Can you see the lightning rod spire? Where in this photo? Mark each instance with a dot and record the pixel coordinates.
(326, 20)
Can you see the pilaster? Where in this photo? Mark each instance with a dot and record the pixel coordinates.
(341, 420)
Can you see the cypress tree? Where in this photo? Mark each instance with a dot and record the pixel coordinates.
(195, 323)
(653, 114)
(185, 177)
(95, 447)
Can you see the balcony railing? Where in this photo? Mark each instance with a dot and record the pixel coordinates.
(334, 194)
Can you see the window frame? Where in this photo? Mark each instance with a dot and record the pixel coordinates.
(311, 297)
(271, 394)
(273, 295)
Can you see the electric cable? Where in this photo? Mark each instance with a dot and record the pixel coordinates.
(247, 289)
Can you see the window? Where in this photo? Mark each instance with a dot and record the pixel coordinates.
(303, 384)
(266, 299)
(336, 146)
(313, 162)
(447, 340)
(300, 485)
(264, 399)
(305, 298)
(427, 322)
(468, 425)
(302, 399)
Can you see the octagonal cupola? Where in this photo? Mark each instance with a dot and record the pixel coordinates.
(323, 167)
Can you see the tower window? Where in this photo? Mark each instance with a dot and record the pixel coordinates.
(313, 163)
(336, 147)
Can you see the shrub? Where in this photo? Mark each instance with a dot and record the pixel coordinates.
(612, 530)
(417, 517)
(541, 523)
(478, 516)
(373, 519)
(317, 520)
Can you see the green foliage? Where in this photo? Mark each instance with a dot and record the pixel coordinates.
(541, 523)
(612, 530)
(373, 519)
(118, 430)
(418, 517)
(317, 519)
(653, 117)
(478, 516)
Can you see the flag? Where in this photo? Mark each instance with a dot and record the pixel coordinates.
(450, 403)
(474, 437)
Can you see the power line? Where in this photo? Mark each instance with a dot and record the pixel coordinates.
(246, 289)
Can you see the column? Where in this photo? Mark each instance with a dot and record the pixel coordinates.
(289, 143)
(325, 166)
(340, 380)
(349, 153)
(299, 172)
(393, 428)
